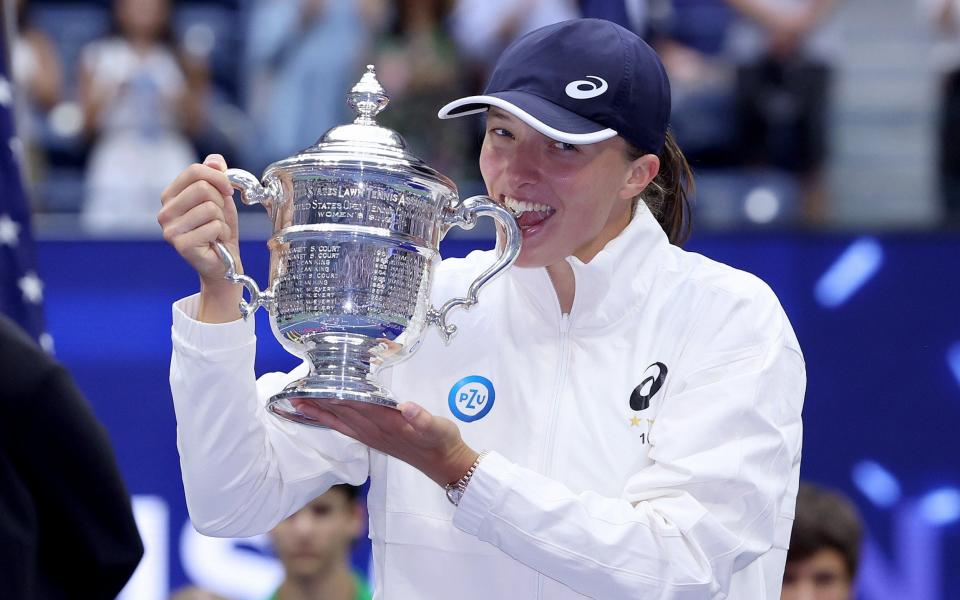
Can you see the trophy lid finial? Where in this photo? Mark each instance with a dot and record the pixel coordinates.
(362, 145)
(367, 98)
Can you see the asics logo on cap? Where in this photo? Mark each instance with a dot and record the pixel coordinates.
(582, 89)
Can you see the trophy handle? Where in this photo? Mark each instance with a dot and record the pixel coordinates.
(465, 215)
(251, 192)
(257, 298)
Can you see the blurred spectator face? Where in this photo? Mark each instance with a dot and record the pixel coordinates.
(195, 593)
(142, 18)
(319, 535)
(821, 576)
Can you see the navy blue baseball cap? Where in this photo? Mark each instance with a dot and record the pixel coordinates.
(579, 82)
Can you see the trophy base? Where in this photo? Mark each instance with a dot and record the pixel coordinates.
(322, 391)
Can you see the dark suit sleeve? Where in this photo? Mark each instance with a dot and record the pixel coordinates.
(87, 541)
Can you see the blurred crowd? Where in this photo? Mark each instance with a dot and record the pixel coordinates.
(115, 97)
(313, 545)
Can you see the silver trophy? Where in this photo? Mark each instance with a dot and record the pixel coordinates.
(357, 221)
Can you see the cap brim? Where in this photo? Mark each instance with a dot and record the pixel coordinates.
(551, 120)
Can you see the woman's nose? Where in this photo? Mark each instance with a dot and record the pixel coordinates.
(523, 166)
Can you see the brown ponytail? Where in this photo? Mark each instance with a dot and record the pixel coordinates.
(668, 195)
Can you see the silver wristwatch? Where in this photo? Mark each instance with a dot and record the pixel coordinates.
(456, 489)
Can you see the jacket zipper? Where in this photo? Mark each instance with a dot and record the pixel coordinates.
(546, 465)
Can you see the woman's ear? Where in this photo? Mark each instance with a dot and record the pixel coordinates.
(641, 172)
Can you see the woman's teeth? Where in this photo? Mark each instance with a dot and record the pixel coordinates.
(519, 206)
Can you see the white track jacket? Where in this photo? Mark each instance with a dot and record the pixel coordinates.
(647, 445)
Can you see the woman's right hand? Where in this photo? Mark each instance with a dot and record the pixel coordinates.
(198, 210)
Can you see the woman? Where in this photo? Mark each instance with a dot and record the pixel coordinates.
(640, 405)
(134, 94)
(418, 63)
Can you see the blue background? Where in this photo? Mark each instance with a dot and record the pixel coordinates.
(882, 394)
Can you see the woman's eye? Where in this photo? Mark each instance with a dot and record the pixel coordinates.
(501, 132)
(565, 147)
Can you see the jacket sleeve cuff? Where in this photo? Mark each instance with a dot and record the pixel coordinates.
(487, 485)
(194, 337)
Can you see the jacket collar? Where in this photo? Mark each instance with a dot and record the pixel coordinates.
(613, 282)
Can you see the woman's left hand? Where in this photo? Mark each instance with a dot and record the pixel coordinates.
(429, 443)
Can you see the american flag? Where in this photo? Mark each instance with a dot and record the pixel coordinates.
(21, 290)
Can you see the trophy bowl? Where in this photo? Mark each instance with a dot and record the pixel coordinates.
(357, 223)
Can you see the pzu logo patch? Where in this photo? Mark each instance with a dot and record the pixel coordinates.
(651, 384)
(471, 398)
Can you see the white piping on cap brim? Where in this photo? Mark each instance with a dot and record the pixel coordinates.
(550, 132)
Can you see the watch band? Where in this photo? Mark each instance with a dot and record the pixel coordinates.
(456, 489)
